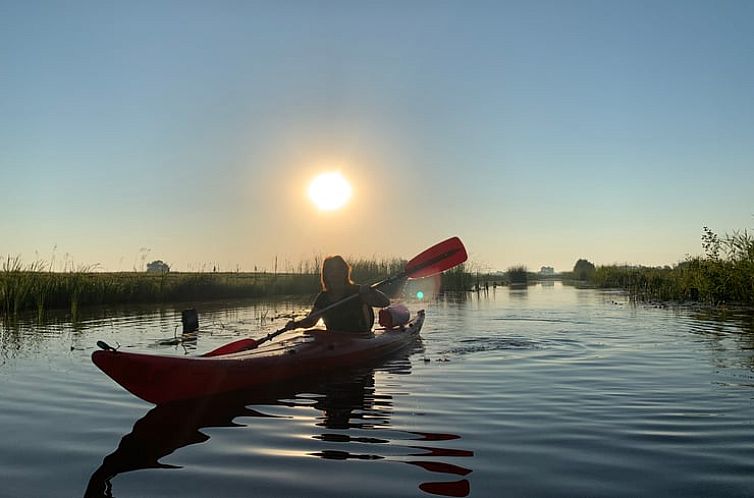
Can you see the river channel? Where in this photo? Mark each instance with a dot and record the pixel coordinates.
(548, 390)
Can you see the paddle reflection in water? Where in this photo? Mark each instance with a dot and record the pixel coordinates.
(348, 404)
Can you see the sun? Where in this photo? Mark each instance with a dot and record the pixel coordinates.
(329, 191)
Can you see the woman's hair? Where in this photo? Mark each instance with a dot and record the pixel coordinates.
(329, 262)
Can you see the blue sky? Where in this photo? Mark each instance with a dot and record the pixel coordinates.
(539, 132)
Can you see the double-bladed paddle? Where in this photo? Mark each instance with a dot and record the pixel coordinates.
(438, 258)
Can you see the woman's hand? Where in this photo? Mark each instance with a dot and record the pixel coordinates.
(306, 322)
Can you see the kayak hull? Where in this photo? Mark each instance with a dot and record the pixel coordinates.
(161, 379)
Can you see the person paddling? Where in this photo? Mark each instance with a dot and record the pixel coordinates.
(354, 315)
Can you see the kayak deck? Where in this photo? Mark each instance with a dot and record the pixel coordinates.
(162, 378)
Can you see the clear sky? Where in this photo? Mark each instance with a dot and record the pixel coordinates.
(539, 132)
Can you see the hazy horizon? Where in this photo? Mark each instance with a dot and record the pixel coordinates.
(538, 132)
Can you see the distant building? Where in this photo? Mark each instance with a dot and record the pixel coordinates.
(547, 270)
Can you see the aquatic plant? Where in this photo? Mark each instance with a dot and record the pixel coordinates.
(725, 274)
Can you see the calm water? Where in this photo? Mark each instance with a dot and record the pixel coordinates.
(549, 391)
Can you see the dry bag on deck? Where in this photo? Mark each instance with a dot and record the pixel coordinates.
(394, 315)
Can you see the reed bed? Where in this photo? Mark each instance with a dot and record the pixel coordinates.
(22, 289)
(724, 275)
(34, 287)
(457, 279)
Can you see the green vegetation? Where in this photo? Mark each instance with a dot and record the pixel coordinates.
(583, 270)
(457, 279)
(372, 270)
(27, 288)
(35, 287)
(724, 275)
(158, 266)
(517, 275)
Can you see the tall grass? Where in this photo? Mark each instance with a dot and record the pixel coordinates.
(725, 274)
(373, 270)
(35, 287)
(24, 288)
(457, 279)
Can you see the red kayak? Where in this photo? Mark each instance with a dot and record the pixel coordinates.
(161, 379)
(243, 364)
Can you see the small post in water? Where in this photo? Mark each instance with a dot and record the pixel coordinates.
(190, 320)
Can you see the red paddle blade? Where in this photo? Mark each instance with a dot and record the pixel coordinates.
(437, 259)
(233, 347)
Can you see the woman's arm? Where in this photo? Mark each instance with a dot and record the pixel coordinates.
(308, 321)
(373, 297)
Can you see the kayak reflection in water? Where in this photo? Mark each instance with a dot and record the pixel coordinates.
(355, 314)
(351, 422)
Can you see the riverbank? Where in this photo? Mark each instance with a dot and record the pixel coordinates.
(24, 289)
(724, 275)
(28, 290)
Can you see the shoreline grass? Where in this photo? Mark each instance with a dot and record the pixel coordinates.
(724, 275)
(32, 287)
(23, 289)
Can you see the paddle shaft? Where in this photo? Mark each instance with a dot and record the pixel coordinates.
(438, 258)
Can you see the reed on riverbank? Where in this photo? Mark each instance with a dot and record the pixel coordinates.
(34, 287)
(457, 279)
(724, 275)
(24, 289)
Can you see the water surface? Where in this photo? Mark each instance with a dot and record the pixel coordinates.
(545, 391)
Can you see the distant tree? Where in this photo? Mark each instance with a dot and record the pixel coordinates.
(583, 270)
(158, 266)
(518, 274)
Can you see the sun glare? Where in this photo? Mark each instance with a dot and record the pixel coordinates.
(329, 191)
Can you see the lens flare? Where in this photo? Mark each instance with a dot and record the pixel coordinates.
(419, 295)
